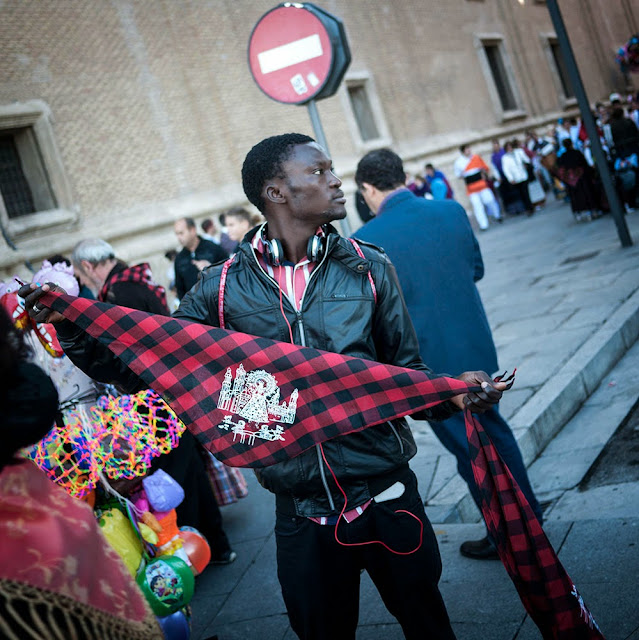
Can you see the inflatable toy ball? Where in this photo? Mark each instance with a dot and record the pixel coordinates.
(167, 583)
(176, 626)
(196, 548)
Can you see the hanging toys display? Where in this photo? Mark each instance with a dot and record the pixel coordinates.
(628, 56)
(66, 455)
(167, 581)
(164, 575)
(131, 430)
(118, 436)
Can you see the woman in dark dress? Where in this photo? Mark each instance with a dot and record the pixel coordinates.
(579, 177)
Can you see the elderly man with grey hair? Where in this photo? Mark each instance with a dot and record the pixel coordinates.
(112, 280)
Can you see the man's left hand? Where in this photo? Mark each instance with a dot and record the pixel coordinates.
(31, 293)
(480, 401)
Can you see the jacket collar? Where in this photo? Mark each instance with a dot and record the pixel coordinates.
(395, 198)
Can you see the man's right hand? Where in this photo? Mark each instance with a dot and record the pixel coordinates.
(31, 293)
(487, 398)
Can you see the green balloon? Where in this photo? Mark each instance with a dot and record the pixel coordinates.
(167, 583)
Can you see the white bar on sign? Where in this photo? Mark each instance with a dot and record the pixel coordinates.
(287, 55)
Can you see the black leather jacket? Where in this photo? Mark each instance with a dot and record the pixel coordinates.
(339, 314)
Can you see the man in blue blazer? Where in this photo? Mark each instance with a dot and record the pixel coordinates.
(438, 262)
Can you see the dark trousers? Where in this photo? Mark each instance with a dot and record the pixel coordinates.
(522, 188)
(320, 578)
(452, 434)
(199, 508)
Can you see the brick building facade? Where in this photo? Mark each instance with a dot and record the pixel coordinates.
(125, 115)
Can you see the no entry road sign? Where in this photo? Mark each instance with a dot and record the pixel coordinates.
(298, 52)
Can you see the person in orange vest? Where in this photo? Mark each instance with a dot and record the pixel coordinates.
(474, 171)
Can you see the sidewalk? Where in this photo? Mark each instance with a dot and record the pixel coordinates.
(563, 301)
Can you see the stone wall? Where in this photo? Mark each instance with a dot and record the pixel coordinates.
(150, 108)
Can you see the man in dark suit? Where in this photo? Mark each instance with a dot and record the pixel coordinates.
(197, 254)
(438, 262)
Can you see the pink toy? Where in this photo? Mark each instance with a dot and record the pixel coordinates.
(14, 306)
(60, 274)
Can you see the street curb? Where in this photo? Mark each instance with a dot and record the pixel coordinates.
(548, 410)
(545, 413)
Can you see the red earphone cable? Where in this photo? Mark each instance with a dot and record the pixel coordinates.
(354, 544)
(288, 324)
(361, 544)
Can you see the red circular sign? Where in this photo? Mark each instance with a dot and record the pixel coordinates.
(290, 54)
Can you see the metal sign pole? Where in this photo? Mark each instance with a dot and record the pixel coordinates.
(588, 120)
(321, 140)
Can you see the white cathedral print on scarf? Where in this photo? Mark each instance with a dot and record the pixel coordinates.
(254, 399)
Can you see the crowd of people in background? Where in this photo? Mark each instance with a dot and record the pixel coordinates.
(200, 249)
(572, 161)
(520, 173)
(515, 179)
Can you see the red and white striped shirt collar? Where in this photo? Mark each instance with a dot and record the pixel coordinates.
(292, 278)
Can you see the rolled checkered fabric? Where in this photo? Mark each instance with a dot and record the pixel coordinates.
(545, 588)
(221, 382)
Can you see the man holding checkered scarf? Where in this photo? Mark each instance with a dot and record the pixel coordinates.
(351, 503)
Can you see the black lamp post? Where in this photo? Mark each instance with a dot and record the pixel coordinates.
(589, 122)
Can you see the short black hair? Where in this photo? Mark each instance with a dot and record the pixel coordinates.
(463, 147)
(264, 162)
(190, 223)
(617, 113)
(381, 168)
(57, 258)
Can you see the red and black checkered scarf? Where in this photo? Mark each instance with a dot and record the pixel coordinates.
(138, 273)
(188, 364)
